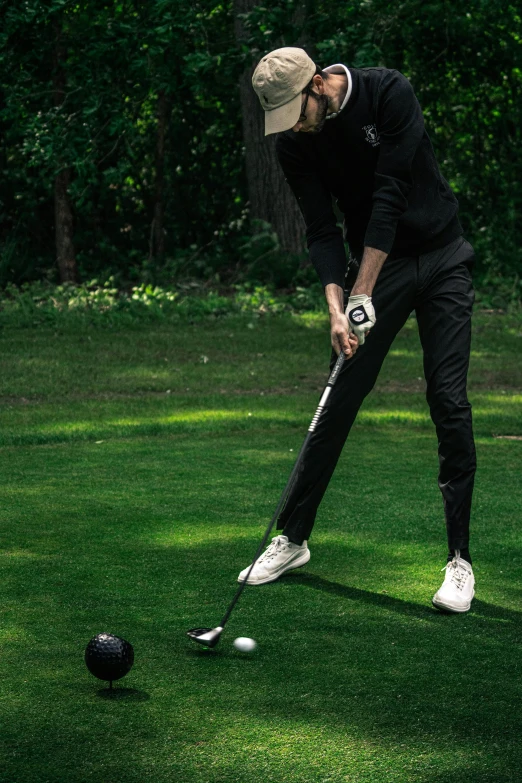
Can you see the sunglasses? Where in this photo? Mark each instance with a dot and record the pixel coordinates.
(302, 116)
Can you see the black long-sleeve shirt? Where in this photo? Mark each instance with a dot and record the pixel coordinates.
(376, 159)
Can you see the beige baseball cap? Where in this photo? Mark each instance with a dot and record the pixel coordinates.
(279, 79)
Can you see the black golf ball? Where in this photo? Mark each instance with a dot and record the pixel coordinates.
(109, 657)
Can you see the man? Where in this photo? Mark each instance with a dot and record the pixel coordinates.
(358, 136)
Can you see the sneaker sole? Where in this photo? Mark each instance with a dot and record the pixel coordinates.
(448, 608)
(301, 561)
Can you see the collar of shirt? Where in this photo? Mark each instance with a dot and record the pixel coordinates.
(340, 68)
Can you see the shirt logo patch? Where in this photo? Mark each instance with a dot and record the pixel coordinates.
(372, 136)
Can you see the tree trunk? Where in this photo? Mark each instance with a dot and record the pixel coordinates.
(157, 243)
(270, 196)
(63, 217)
(63, 221)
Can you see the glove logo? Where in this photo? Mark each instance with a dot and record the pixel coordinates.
(359, 315)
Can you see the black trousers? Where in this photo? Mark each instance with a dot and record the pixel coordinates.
(438, 287)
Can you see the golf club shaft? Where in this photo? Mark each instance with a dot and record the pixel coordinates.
(322, 402)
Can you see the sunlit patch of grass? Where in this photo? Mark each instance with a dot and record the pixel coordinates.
(504, 399)
(14, 633)
(23, 554)
(187, 537)
(403, 352)
(312, 320)
(143, 373)
(200, 416)
(483, 355)
(393, 417)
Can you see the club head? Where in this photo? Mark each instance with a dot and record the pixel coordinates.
(208, 637)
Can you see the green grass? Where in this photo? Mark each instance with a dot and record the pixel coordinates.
(356, 678)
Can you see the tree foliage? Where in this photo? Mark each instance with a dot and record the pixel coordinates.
(120, 58)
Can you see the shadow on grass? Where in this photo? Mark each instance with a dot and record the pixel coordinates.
(123, 694)
(202, 653)
(217, 654)
(479, 610)
(356, 594)
(490, 611)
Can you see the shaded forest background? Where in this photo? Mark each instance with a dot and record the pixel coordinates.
(132, 147)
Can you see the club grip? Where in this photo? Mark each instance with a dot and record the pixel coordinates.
(337, 369)
(331, 380)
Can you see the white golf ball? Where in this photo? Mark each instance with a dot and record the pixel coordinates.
(244, 644)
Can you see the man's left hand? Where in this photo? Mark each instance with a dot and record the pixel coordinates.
(361, 315)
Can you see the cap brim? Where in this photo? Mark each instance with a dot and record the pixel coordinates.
(284, 117)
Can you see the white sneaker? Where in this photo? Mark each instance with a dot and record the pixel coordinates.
(280, 556)
(458, 588)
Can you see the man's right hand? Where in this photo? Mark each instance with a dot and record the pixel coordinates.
(342, 338)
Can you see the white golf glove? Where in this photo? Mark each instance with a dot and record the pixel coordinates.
(361, 315)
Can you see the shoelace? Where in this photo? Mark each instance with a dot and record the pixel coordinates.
(460, 574)
(273, 550)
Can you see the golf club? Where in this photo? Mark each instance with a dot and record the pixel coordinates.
(209, 637)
